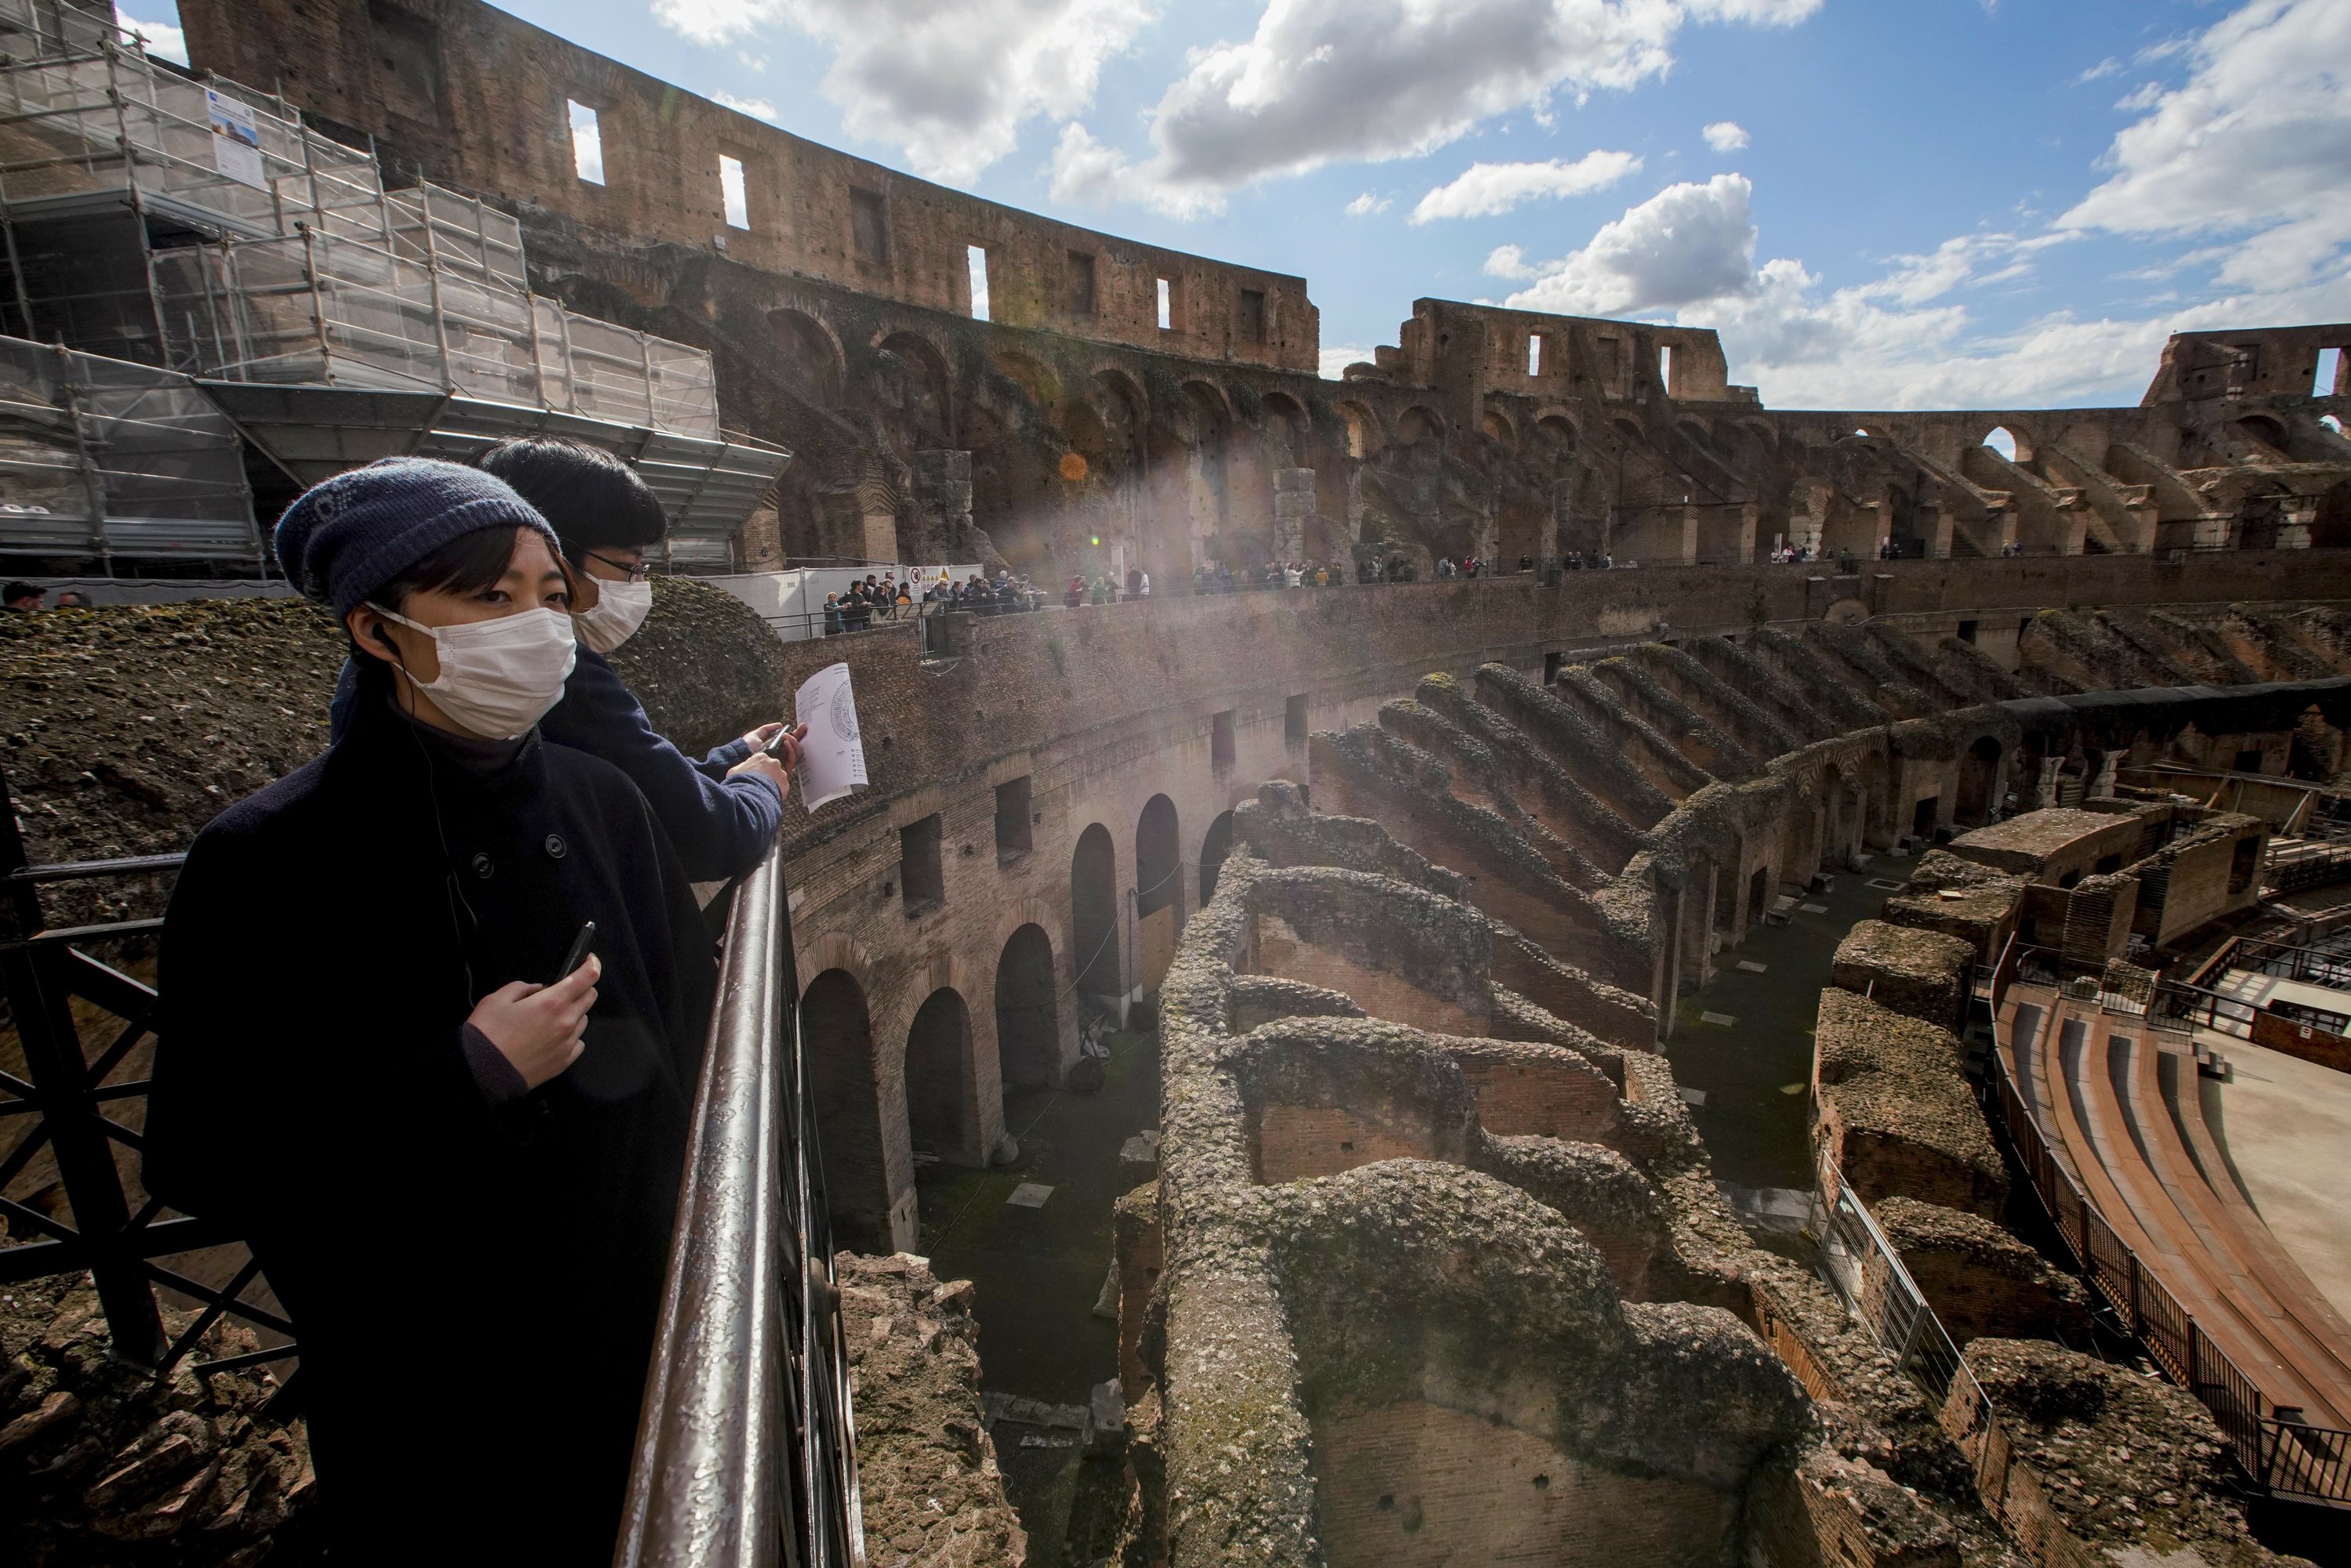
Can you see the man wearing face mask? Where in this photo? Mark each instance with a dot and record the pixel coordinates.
(721, 811)
(373, 1068)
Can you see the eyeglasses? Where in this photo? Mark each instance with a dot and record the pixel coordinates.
(632, 570)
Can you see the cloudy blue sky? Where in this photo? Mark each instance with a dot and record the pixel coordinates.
(1881, 204)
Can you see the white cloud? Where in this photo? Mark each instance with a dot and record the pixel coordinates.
(163, 41)
(1335, 360)
(1367, 205)
(2099, 72)
(1725, 136)
(1509, 261)
(1324, 81)
(1687, 243)
(1485, 189)
(949, 84)
(2256, 143)
(757, 107)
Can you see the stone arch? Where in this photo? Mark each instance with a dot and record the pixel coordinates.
(837, 1031)
(1287, 425)
(1560, 430)
(1214, 848)
(1032, 376)
(912, 378)
(1419, 423)
(1364, 435)
(2263, 428)
(1028, 1010)
(1979, 782)
(1093, 913)
(1158, 891)
(813, 356)
(2011, 442)
(940, 1095)
(1497, 427)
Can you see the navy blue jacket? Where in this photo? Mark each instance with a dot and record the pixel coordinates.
(719, 826)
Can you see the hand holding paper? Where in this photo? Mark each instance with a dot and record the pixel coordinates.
(832, 757)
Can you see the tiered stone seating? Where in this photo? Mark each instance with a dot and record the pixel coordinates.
(2118, 1106)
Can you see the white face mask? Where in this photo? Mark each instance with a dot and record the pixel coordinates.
(619, 609)
(497, 677)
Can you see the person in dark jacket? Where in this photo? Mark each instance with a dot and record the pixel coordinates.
(369, 1067)
(720, 812)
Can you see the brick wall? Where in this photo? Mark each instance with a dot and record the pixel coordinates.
(1570, 1100)
(470, 96)
(1416, 1485)
(1291, 1143)
(1381, 993)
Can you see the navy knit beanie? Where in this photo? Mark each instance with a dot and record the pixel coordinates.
(347, 537)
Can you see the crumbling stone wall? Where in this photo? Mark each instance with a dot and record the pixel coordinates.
(1921, 974)
(1895, 1111)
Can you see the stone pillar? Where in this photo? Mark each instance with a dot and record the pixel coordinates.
(2294, 521)
(2102, 783)
(1293, 508)
(2044, 793)
(942, 508)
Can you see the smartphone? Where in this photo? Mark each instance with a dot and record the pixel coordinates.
(775, 746)
(581, 945)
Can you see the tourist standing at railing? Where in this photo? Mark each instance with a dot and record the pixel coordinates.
(720, 812)
(370, 1068)
(22, 597)
(833, 624)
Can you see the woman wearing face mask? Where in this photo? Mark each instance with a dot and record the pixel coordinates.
(366, 1070)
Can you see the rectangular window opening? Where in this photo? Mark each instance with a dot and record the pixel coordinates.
(1534, 353)
(1081, 285)
(1252, 315)
(868, 227)
(587, 143)
(1012, 820)
(975, 259)
(922, 882)
(1666, 367)
(1967, 630)
(736, 193)
(2329, 372)
(1220, 740)
(1166, 305)
(1293, 719)
(1553, 664)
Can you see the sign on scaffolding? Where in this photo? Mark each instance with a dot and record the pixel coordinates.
(236, 139)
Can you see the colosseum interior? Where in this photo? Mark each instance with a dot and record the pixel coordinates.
(1582, 1066)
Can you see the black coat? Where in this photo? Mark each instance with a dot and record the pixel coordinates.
(475, 1290)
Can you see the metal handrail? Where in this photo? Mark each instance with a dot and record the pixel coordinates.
(745, 1448)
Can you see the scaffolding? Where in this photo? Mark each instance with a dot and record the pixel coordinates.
(100, 458)
(201, 227)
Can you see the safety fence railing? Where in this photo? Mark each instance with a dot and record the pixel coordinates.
(71, 1088)
(745, 1448)
(1866, 1272)
(2277, 1450)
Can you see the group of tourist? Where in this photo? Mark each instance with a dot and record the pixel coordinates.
(886, 598)
(26, 597)
(435, 1003)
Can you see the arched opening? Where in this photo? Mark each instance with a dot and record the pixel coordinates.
(1497, 430)
(1027, 1030)
(1286, 428)
(1213, 851)
(811, 361)
(2004, 441)
(1416, 424)
(1158, 893)
(837, 1033)
(912, 379)
(1094, 913)
(1978, 782)
(938, 1077)
(2261, 428)
(1032, 377)
(1759, 894)
(1362, 430)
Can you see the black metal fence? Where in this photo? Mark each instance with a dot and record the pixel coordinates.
(79, 1022)
(2278, 1451)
